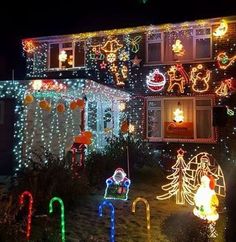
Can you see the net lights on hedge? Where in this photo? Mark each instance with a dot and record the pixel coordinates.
(59, 200)
(110, 205)
(30, 208)
(117, 186)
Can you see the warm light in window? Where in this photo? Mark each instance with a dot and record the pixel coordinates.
(178, 116)
(131, 128)
(62, 56)
(178, 48)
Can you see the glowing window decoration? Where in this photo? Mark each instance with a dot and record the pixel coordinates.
(48, 85)
(224, 61)
(180, 186)
(63, 230)
(206, 201)
(178, 116)
(140, 199)
(178, 48)
(222, 29)
(136, 61)
(62, 56)
(134, 43)
(29, 218)
(205, 164)
(200, 78)
(155, 81)
(110, 205)
(117, 186)
(110, 48)
(230, 112)
(177, 78)
(224, 88)
(28, 46)
(113, 68)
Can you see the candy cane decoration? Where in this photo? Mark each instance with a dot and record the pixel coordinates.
(109, 204)
(59, 200)
(29, 218)
(140, 199)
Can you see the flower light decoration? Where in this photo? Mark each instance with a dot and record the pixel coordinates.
(178, 48)
(117, 186)
(200, 78)
(222, 29)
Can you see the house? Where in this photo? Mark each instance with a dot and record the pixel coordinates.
(174, 83)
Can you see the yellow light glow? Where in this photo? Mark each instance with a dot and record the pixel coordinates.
(178, 116)
(121, 106)
(36, 84)
(62, 56)
(200, 78)
(131, 128)
(177, 78)
(224, 61)
(206, 201)
(221, 29)
(223, 89)
(178, 48)
(140, 199)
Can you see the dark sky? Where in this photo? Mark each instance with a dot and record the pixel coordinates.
(21, 19)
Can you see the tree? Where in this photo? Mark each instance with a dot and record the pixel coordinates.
(180, 186)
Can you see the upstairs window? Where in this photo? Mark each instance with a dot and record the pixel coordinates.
(154, 46)
(66, 55)
(202, 43)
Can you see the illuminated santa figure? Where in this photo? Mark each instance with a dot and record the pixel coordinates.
(206, 201)
(117, 186)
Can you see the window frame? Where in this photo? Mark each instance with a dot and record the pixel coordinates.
(61, 48)
(161, 41)
(203, 36)
(212, 139)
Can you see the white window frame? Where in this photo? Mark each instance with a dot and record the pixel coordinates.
(67, 48)
(213, 138)
(161, 41)
(204, 36)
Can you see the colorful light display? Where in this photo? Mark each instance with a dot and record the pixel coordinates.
(222, 29)
(155, 81)
(110, 205)
(180, 186)
(224, 62)
(140, 199)
(117, 186)
(28, 46)
(136, 61)
(134, 43)
(200, 79)
(59, 200)
(178, 48)
(206, 201)
(29, 217)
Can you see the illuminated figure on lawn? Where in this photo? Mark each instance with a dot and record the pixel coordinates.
(117, 186)
(206, 201)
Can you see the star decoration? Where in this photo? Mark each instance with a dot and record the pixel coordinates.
(181, 152)
(136, 61)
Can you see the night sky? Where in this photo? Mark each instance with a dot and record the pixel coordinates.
(42, 18)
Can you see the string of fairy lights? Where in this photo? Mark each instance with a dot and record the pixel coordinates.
(112, 58)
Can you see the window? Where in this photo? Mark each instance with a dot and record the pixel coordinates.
(154, 48)
(180, 119)
(66, 55)
(196, 45)
(202, 43)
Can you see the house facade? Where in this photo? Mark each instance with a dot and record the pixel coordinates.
(174, 83)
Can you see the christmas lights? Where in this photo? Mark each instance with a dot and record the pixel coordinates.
(110, 205)
(140, 199)
(178, 48)
(59, 200)
(200, 79)
(180, 186)
(117, 186)
(224, 61)
(222, 29)
(29, 217)
(155, 81)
